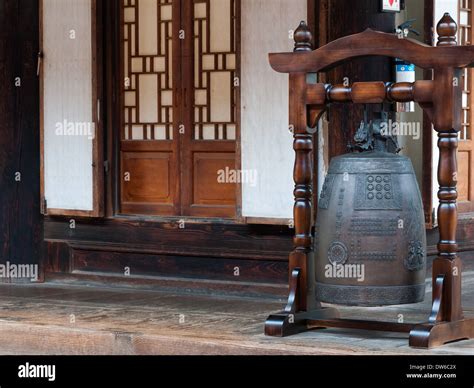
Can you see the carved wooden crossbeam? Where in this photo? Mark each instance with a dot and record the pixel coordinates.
(375, 43)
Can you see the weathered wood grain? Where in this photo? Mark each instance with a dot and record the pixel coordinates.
(37, 319)
(20, 222)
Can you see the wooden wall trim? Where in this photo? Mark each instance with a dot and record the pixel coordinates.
(201, 270)
(254, 242)
(98, 109)
(40, 104)
(267, 221)
(111, 22)
(178, 266)
(238, 100)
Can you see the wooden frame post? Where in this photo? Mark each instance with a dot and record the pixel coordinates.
(446, 322)
(301, 261)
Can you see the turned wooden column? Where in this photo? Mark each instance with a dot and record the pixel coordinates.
(447, 122)
(301, 257)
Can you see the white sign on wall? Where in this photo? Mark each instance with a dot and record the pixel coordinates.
(391, 5)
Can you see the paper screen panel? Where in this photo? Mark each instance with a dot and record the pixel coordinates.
(67, 105)
(214, 67)
(147, 68)
(267, 144)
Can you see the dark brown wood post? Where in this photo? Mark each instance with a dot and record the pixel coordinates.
(447, 124)
(303, 146)
(302, 305)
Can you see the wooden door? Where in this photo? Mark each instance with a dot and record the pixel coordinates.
(466, 141)
(149, 151)
(179, 107)
(210, 105)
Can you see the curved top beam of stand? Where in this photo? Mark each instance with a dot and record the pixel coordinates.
(372, 43)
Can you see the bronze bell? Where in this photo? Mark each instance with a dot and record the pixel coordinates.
(370, 236)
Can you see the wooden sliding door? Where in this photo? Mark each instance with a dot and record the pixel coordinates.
(149, 149)
(178, 102)
(208, 146)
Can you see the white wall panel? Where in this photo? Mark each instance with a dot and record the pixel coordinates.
(67, 104)
(266, 140)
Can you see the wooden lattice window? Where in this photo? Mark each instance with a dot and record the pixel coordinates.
(215, 65)
(147, 61)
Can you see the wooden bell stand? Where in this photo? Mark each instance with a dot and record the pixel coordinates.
(441, 100)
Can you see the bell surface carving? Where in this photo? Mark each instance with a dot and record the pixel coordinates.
(370, 234)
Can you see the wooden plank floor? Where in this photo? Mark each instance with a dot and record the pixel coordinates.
(55, 319)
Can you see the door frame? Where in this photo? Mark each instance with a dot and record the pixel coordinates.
(112, 49)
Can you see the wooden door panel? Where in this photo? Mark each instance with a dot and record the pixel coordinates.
(147, 146)
(149, 149)
(213, 182)
(210, 145)
(179, 131)
(141, 168)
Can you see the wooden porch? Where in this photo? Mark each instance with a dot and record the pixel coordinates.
(83, 320)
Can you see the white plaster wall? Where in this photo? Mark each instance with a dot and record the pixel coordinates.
(266, 140)
(67, 88)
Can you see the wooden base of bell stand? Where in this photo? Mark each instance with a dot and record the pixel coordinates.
(431, 334)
